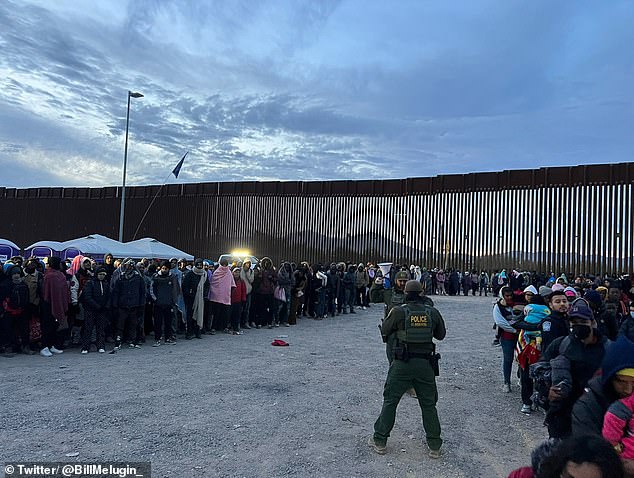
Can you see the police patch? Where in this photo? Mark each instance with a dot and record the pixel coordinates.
(546, 326)
(419, 320)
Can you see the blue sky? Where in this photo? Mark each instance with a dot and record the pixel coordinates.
(310, 90)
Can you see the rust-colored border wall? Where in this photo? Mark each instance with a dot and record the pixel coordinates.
(573, 219)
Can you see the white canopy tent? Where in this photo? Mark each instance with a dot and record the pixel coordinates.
(98, 245)
(102, 245)
(158, 250)
(92, 245)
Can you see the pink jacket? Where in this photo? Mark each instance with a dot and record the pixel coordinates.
(618, 426)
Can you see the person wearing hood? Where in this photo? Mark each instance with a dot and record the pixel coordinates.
(164, 292)
(627, 327)
(195, 288)
(108, 265)
(128, 296)
(425, 280)
(334, 286)
(616, 382)
(321, 287)
(606, 320)
(34, 278)
(238, 299)
(286, 281)
(361, 282)
(179, 318)
(81, 270)
(15, 306)
(483, 283)
(529, 341)
(55, 302)
(266, 302)
(348, 282)
(504, 316)
(247, 276)
(220, 296)
(574, 360)
(441, 279)
(96, 304)
(298, 292)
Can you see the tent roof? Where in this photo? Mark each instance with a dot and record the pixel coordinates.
(93, 244)
(7, 242)
(55, 245)
(98, 244)
(159, 250)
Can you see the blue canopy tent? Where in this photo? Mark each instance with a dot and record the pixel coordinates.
(42, 249)
(8, 249)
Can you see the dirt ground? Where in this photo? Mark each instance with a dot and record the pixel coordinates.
(235, 406)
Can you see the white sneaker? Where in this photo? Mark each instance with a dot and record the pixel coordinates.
(506, 388)
(56, 351)
(526, 409)
(84, 351)
(102, 351)
(45, 352)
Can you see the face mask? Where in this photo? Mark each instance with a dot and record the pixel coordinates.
(632, 314)
(581, 331)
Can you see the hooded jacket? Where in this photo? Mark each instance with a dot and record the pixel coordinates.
(96, 295)
(268, 277)
(589, 410)
(129, 291)
(163, 289)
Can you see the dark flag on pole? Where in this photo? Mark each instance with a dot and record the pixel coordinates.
(176, 171)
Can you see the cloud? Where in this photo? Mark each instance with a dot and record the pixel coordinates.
(310, 90)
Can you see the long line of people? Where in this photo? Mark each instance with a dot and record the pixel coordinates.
(574, 350)
(50, 305)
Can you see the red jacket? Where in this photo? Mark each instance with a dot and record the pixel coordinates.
(239, 292)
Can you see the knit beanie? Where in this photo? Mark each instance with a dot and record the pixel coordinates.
(558, 287)
(618, 356)
(545, 291)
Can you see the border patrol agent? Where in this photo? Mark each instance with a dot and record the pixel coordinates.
(413, 326)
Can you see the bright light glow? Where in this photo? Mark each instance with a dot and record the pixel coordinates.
(240, 252)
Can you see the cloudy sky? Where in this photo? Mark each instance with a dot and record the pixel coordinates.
(310, 89)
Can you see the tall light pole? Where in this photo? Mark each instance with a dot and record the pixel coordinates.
(125, 162)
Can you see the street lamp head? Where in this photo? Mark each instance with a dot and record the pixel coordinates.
(135, 94)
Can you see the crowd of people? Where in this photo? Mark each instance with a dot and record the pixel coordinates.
(50, 305)
(573, 344)
(572, 340)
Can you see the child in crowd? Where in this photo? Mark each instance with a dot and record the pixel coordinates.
(238, 299)
(618, 423)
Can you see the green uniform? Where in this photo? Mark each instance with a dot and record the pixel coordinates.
(415, 325)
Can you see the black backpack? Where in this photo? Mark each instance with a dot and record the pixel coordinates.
(541, 373)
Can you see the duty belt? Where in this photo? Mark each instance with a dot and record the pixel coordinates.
(420, 355)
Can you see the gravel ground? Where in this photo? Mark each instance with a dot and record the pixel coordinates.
(235, 406)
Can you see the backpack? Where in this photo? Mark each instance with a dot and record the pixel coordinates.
(541, 373)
